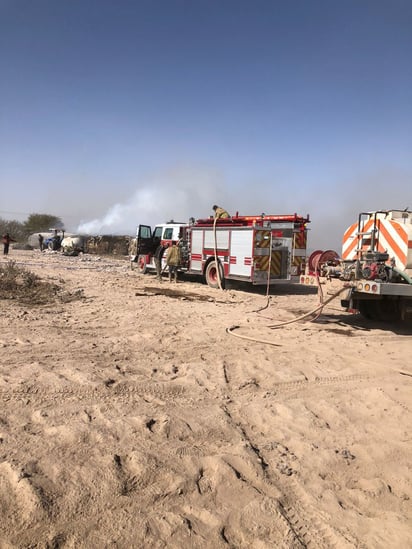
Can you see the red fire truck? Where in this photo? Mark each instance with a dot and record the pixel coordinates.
(260, 249)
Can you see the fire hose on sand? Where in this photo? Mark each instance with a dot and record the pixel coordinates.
(316, 311)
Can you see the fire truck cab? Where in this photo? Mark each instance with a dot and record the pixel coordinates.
(151, 242)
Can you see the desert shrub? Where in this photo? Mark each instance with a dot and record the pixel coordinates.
(12, 277)
(20, 284)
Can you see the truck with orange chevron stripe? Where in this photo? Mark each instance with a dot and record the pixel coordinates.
(375, 269)
(260, 249)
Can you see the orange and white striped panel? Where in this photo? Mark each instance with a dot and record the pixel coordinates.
(350, 240)
(391, 237)
(394, 239)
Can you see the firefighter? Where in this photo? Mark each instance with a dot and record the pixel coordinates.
(173, 260)
(158, 255)
(220, 213)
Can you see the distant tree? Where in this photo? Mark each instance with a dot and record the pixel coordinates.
(37, 223)
(15, 228)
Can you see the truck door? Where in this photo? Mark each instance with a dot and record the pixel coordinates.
(144, 240)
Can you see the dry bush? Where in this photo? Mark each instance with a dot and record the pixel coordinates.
(26, 287)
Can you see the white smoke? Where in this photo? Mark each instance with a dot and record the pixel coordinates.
(184, 193)
(178, 195)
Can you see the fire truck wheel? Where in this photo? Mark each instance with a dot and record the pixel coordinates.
(141, 264)
(388, 310)
(385, 310)
(212, 276)
(368, 310)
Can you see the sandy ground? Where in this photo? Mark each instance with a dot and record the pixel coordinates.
(129, 417)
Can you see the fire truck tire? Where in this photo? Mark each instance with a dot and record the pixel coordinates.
(368, 309)
(388, 310)
(385, 310)
(141, 264)
(211, 275)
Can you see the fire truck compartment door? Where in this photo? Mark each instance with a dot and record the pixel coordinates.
(241, 253)
(222, 239)
(144, 240)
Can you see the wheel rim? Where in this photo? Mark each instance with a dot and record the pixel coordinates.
(213, 274)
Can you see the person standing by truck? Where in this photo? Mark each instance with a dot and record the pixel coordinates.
(6, 243)
(173, 260)
(158, 255)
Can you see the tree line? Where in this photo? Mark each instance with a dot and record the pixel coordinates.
(35, 223)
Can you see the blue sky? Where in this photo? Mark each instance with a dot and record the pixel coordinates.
(114, 113)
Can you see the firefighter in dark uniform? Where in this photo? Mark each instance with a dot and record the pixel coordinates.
(158, 255)
(6, 243)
